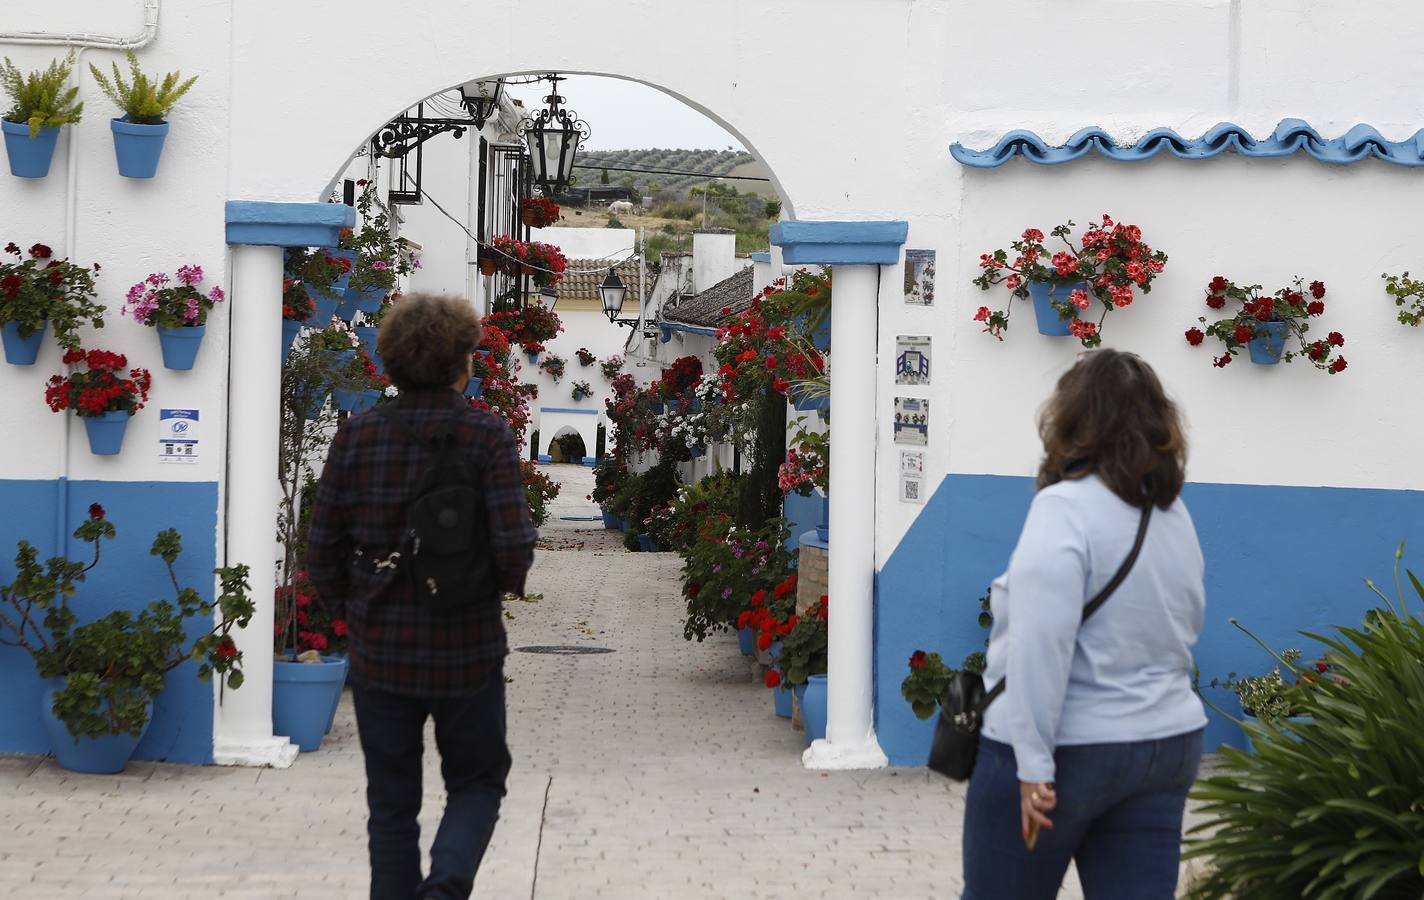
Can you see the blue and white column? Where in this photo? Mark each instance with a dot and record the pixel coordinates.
(857, 250)
(258, 231)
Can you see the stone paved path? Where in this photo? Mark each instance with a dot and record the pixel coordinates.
(654, 771)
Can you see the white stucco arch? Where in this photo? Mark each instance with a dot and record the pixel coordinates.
(553, 421)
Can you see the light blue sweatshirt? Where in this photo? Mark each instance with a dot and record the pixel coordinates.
(1125, 675)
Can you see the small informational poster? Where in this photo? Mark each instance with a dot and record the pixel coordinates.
(912, 421)
(912, 359)
(919, 277)
(178, 436)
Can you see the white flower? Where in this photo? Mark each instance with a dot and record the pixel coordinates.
(392, 391)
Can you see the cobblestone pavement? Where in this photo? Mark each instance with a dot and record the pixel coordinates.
(654, 771)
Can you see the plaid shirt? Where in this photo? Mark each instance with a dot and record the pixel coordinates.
(371, 472)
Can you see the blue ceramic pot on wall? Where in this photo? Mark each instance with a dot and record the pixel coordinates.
(29, 156)
(813, 708)
(21, 351)
(610, 521)
(303, 697)
(366, 300)
(290, 330)
(326, 307)
(180, 346)
(1269, 343)
(137, 148)
(475, 388)
(354, 401)
(339, 287)
(104, 755)
(746, 640)
(1042, 293)
(106, 432)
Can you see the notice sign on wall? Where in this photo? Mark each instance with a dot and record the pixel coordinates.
(178, 435)
(912, 476)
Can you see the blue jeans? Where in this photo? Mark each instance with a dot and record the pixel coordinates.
(474, 761)
(1119, 817)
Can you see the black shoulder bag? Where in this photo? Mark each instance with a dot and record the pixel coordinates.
(961, 712)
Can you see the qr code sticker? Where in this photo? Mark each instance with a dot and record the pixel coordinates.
(910, 490)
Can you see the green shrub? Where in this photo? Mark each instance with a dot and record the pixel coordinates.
(40, 98)
(1333, 806)
(144, 101)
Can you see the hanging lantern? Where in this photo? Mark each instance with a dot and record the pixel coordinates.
(554, 136)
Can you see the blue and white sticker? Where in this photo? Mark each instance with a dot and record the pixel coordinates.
(178, 436)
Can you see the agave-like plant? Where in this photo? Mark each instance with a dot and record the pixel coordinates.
(1329, 807)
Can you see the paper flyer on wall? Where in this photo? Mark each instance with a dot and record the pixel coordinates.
(912, 421)
(919, 277)
(912, 359)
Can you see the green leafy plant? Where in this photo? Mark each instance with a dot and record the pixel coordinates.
(36, 288)
(114, 666)
(380, 256)
(1408, 295)
(804, 649)
(40, 98)
(926, 683)
(1328, 807)
(725, 566)
(1267, 696)
(143, 100)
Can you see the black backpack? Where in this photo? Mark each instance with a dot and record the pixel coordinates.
(446, 550)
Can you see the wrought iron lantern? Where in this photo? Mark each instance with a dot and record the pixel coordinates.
(481, 99)
(613, 292)
(554, 136)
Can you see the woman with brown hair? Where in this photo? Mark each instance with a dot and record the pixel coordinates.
(1097, 737)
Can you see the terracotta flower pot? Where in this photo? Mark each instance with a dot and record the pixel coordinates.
(487, 266)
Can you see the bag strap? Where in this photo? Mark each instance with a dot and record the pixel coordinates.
(1097, 602)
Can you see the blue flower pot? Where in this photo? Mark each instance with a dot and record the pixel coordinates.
(533, 358)
(340, 359)
(746, 640)
(303, 697)
(624, 525)
(137, 148)
(475, 388)
(646, 544)
(1042, 293)
(610, 521)
(106, 432)
(316, 404)
(290, 330)
(326, 307)
(336, 698)
(180, 346)
(105, 755)
(657, 407)
(21, 351)
(354, 401)
(366, 300)
(366, 334)
(1269, 343)
(781, 701)
(339, 286)
(804, 403)
(813, 708)
(29, 156)
(698, 452)
(578, 395)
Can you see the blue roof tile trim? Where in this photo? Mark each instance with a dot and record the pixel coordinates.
(1291, 136)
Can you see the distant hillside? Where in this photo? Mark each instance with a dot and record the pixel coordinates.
(716, 162)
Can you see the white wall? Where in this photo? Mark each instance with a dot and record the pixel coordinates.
(590, 243)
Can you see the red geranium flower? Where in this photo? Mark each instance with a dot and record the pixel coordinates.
(917, 659)
(96, 511)
(773, 678)
(1194, 336)
(226, 649)
(40, 251)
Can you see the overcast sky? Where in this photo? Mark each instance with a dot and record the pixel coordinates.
(626, 115)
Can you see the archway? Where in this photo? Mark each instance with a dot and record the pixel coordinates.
(567, 446)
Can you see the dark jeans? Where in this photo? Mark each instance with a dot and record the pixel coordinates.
(1119, 817)
(474, 761)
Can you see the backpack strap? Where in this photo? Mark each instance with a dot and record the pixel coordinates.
(1098, 600)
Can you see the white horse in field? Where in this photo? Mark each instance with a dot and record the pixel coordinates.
(620, 207)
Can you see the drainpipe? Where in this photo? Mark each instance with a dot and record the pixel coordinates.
(80, 42)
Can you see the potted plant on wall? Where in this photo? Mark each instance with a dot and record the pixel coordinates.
(585, 357)
(539, 212)
(1408, 295)
(1265, 324)
(321, 274)
(379, 257)
(1110, 266)
(553, 365)
(297, 311)
(40, 106)
(37, 291)
(139, 134)
(102, 395)
(103, 676)
(581, 390)
(178, 310)
(611, 366)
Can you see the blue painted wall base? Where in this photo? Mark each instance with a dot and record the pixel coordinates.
(927, 591)
(127, 578)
